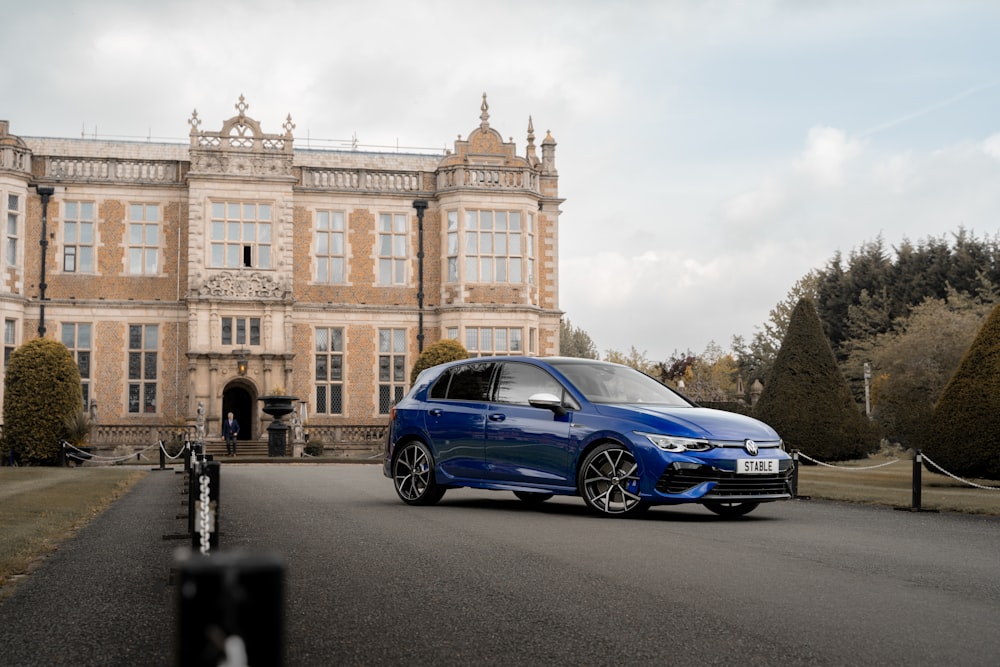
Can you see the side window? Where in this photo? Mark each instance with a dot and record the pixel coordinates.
(518, 382)
(468, 382)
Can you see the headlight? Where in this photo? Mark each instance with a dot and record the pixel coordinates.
(670, 443)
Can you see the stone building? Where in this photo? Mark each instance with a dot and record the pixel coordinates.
(238, 264)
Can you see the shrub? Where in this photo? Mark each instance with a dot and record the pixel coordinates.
(42, 391)
(806, 398)
(964, 432)
(438, 353)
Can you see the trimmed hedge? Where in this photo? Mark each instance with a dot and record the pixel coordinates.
(807, 399)
(42, 390)
(964, 432)
(440, 352)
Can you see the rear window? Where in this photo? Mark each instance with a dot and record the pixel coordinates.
(467, 382)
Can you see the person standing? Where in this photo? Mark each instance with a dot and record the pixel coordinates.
(230, 429)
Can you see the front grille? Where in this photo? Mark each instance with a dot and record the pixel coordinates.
(728, 484)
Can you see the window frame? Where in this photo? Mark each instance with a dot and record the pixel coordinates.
(239, 238)
(144, 246)
(330, 358)
(392, 262)
(142, 369)
(79, 255)
(327, 260)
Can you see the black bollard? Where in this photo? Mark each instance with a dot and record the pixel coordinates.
(918, 461)
(795, 473)
(230, 610)
(210, 469)
(163, 456)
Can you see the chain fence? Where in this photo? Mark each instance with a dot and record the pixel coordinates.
(919, 454)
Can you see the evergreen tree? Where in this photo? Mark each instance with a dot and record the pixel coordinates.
(912, 364)
(42, 391)
(964, 433)
(807, 400)
(574, 342)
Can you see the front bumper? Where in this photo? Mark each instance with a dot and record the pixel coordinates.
(727, 485)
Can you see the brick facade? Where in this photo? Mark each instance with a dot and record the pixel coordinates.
(233, 251)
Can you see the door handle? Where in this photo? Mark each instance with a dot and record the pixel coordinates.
(497, 417)
(436, 412)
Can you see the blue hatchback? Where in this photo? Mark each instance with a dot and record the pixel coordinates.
(567, 426)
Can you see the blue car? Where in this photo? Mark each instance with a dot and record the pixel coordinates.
(568, 426)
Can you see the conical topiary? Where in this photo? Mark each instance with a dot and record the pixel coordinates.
(806, 398)
(964, 432)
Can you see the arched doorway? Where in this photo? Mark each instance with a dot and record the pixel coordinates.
(240, 398)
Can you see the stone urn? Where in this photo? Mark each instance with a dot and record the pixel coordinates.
(277, 406)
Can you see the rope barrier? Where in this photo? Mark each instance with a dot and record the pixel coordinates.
(88, 456)
(880, 465)
(175, 456)
(959, 479)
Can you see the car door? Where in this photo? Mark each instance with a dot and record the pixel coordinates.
(455, 419)
(525, 444)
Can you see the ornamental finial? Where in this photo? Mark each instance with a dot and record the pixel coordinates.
(485, 115)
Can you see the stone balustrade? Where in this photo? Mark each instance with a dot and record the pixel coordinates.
(362, 180)
(111, 170)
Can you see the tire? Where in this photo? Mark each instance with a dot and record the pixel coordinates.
(732, 510)
(532, 498)
(413, 475)
(609, 481)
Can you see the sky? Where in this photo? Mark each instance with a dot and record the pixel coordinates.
(710, 153)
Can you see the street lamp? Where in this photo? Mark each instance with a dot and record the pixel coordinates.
(45, 192)
(241, 361)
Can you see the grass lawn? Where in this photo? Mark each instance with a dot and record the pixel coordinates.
(41, 506)
(893, 485)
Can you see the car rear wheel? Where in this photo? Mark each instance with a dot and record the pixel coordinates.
(413, 475)
(732, 510)
(532, 498)
(609, 481)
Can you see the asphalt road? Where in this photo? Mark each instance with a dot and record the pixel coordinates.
(482, 579)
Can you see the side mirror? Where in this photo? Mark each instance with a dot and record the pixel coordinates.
(547, 401)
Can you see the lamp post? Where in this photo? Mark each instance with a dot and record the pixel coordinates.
(868, 395)
(45, 192)
(421, 206)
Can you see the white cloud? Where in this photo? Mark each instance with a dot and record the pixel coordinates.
(827, 153)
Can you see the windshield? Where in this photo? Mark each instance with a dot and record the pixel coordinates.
(611, 383)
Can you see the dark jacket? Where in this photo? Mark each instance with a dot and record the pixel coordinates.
(230, 430)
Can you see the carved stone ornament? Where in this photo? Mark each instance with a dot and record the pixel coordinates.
(253, 285)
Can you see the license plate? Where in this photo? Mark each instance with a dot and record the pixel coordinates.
(756, 466)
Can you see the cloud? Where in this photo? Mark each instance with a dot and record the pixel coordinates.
(827, 154)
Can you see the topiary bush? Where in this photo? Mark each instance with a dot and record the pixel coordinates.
(964, 432)
(438, 353)
(807, 399)
(41, 392)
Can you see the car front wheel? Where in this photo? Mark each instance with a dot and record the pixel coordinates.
(732, 510)
(609, 481)
(413, 475)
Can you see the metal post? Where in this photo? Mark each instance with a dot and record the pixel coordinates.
(44, 193)
(230, 610)
(421, 206)
(868, 390)
(918, 461)
(795, 473)
(210, 468)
